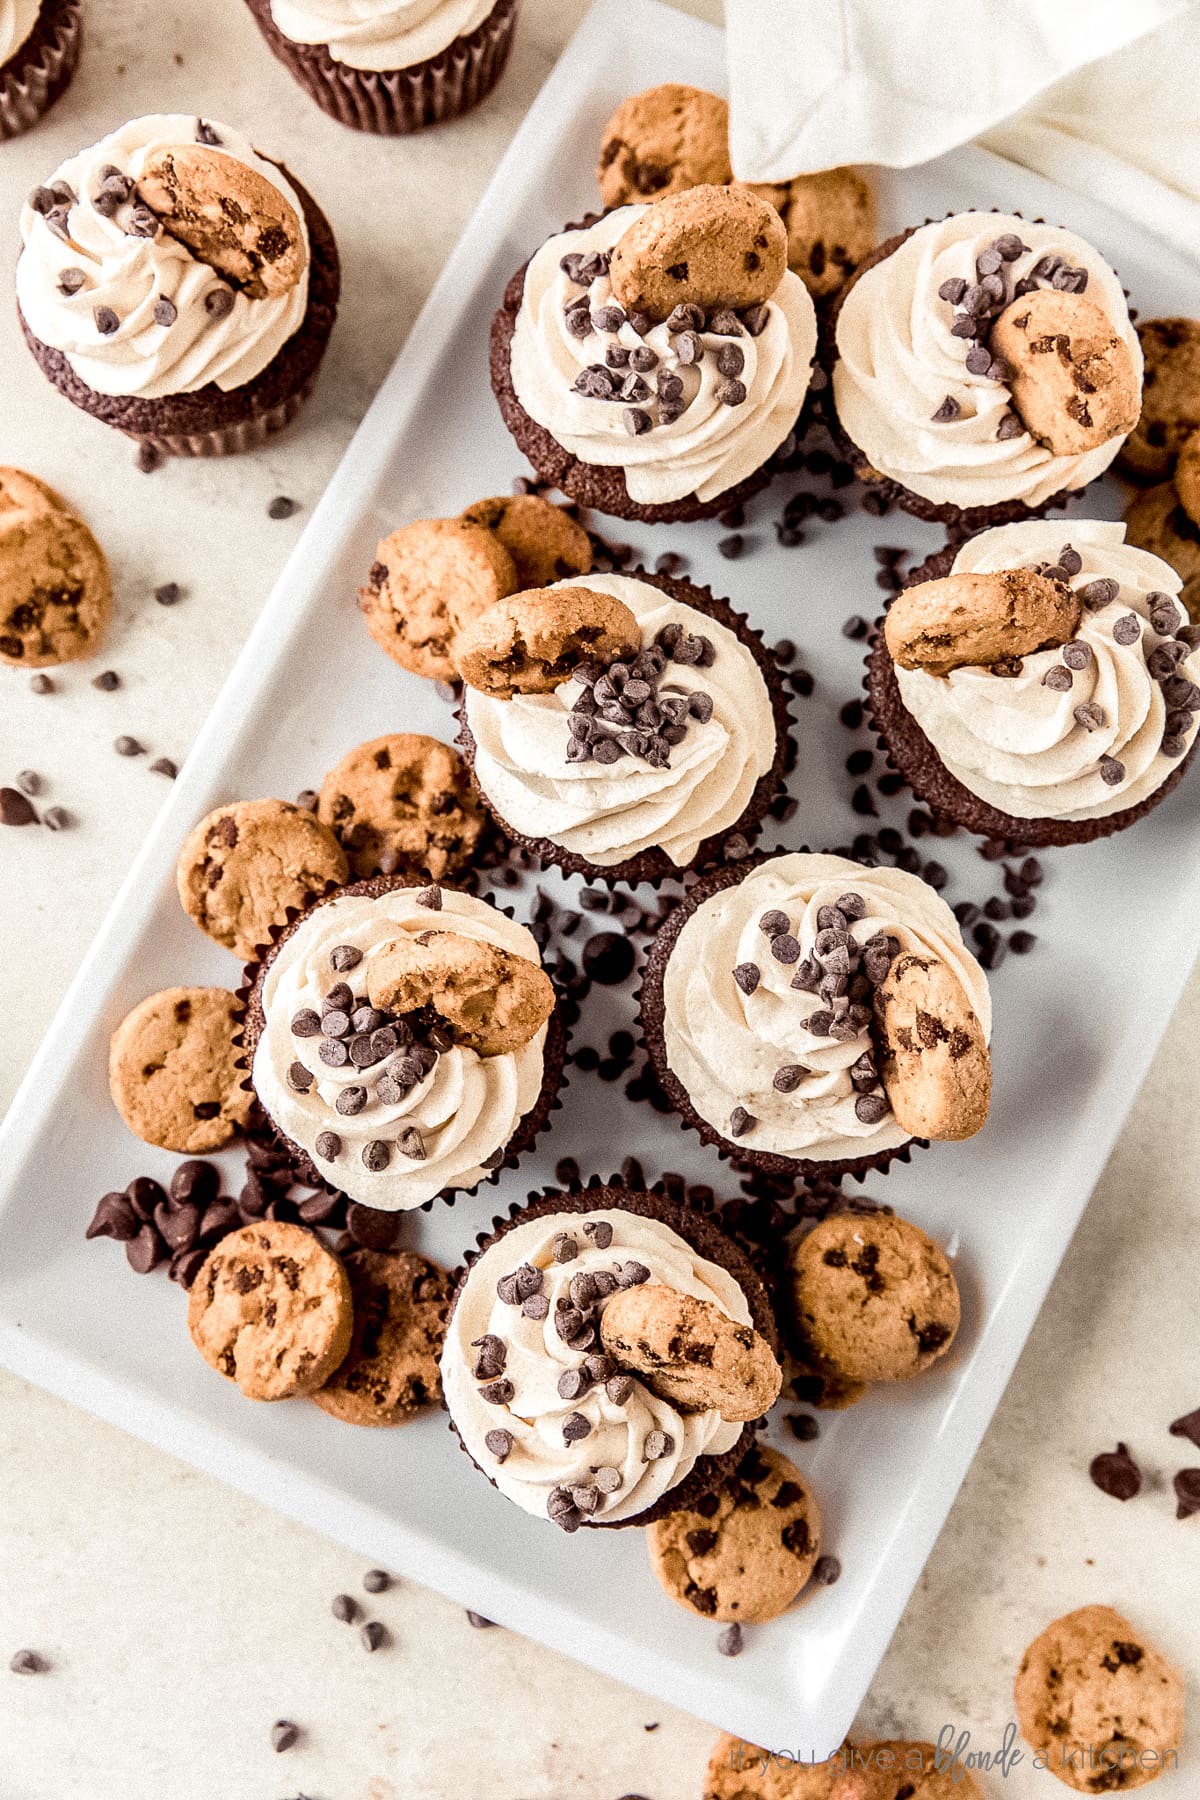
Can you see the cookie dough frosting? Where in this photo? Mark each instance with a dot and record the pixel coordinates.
(379, 34)
(1087, 729)
(782, 1067)
(900, 362)
(610, 811)
(704, 446)
(399, 1141)
(559, 1429)
(17, 20)
(128, 305)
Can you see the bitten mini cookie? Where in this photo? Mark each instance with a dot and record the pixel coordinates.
(738, 1770)
(1159, 522)
(661, 141)
(391, 1367)
(710, 246)
(744, 1554)
(873, 1298)
(544, 541)
(962, 620)
(1072, 376)
(271, 1310)
(1098, 1703)
(490, 1000)
(830, 223)
(228, 214)
(1170, 397)
(689, 1352)
(402, 805)
(55, 588)
(933, 1055)
(532, 642)
(243, 865)
(427, 580)
(173, 1073)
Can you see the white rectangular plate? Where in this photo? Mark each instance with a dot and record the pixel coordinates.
(1076, 1022)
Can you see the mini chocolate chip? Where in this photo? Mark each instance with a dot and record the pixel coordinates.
(576, 1427)
(376, 1155)
(826, 1571)
(28, 1662)
(870, 1108)
(329, 1146)
(373, 1635)
(788, 1078)
(168, 594)
(162, 765)
(41, 683)
(1058, 678)
(1112, 772)
(619, 1388)
(731, 392)
(1127, 630)
(741, 1122)
(1077, 655)
(128, 746)
(500, 1444)
(107, 321)
(1090, 716)
(1100, 593)
(344, 1608)
(747, 975)
(730, 1642)
(106, 681)
(497, 1393)
(947, 412)
(656, 1445)
(1115, 1473)
(1187, 1493)
(218, 303)
(284, 1734)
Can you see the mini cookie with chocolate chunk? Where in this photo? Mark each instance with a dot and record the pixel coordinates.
(745, 1554)
(691, 1353)
(706, 247)
(173, 1071)
(228, 214)
(244, 865)
(532, 642)
(490, 1000)
(544, 541)
(830, 224)
(402, 805)
(873, 1298)
(1170, 397)
(55, 589)
(1074, 378)
(661, 141)
(979, 619)
(271, 1309)
(933, 1055)
(738, 1770)
(427, 580)
(391, 1368)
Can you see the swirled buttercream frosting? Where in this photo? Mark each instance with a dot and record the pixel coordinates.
(379, 34)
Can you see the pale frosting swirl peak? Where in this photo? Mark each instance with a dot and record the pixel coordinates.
(379, 34)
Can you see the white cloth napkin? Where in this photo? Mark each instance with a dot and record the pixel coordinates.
(1099, 95)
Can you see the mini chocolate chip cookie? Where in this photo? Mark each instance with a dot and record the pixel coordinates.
(747, 1551)
(228, 214)
(962, 620)
(1170, 397)
(1100, 1705)
(402, 805)
(172, 1070)
(1187, 477)
(490, 1000)
(391, 1368)
(271, 1310)
(738, 1770)
(1159, 522)
(1073, 378)
(830, 224)
(544, 541)
(243, 865)
(531, 642)
(873, 1298)
(689, 1352)
(932, 1055)
(55, 588)
(901, 1769)
(710, 246)
(427, 580)
(661, 141)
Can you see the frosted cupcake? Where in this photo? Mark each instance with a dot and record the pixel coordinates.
(39, 48)
(984, 368)
(1038, 690)
(550, 1395)
(404, 1042)
(813, 1017)
(625, 730)
(391, 66)
(651, 362)
(178, 286)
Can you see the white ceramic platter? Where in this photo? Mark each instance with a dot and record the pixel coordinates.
(1076, 1022)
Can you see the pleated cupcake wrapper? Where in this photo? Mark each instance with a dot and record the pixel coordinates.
(529, 1127)
(35, 81)
(652, 866)
(394, 102)
(250, 433)
(804, 1170)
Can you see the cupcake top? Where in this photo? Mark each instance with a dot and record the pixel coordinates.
(131, 270)
(379, 34)
(930, 402)
(363, 1059)
(655, 744)
(537, 1404)
(17, 20)
(1093, 722)
(691, 401)
(769, 997)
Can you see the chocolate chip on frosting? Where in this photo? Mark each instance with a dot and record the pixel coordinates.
(741, 1122)
(1058, 678)
(1090, 716)
(218, 303)
(500, 1444)
(1112, 772)
(747, 976)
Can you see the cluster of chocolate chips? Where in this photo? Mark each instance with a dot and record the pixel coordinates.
(117, 190)
(841, 972)
(623, 375)
(180, 1224)
(647, 719)
(1180, 694)
(979, 302)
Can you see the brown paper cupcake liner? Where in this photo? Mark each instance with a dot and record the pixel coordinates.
(654, 865)
(703, 1233)
(40, 68)
(394, 102)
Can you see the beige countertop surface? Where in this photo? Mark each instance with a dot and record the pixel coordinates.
(182, 1619)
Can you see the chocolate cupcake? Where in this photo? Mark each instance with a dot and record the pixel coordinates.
(391, 66)
(780, 1009)
(1037, 690)
(557, 1423)
(651, 362)
(178, 286)
(984, 368)
(39, 48)
(404, 1042)
(656, 756)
